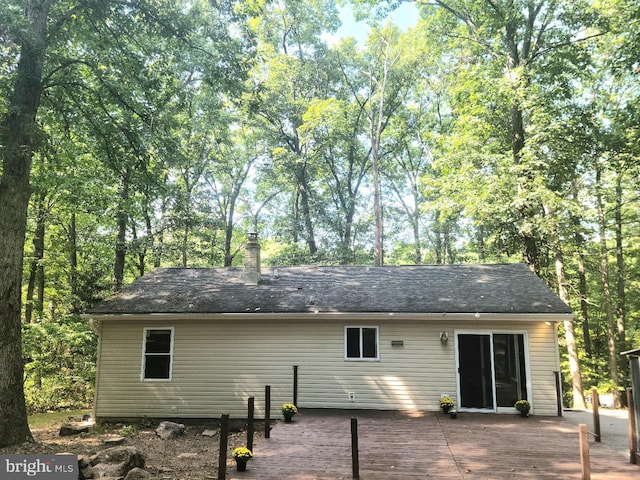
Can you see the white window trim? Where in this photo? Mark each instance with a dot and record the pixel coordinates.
(361, 358)
(144, 355)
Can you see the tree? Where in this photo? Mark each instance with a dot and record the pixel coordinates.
(18, 140)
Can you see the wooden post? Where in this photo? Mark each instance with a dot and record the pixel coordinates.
(558, 392)
(250, 413)
(355, 462)
(267, 411)
(224, 438)
(295, 385)
(595, 403)
(584, 452)
(633, 432)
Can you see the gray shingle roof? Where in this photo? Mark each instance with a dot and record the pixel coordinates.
(508, 288)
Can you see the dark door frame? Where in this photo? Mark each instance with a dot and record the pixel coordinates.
(490, 333)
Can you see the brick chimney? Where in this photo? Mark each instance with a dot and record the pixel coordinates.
(252, 260)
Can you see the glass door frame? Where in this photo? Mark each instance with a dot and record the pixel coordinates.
(491, 333)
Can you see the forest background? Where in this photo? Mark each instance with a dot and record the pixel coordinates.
(151, 133)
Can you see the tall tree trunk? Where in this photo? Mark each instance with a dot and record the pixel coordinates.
(303, 190)
(415, 224)
(376, 132)
(530, 252)
(448, 249)
(604, 263)
(582, 278)
(73, 263)
(36, 269)
(437, 230)
(121, 234)
(621, 308)
(563, 292)
(480, 240)
(228, 234)
(17, 140)
(141, 250)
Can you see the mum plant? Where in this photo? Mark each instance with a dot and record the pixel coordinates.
(446, 404)
(523, 407)
(241, 453)
(289, 410)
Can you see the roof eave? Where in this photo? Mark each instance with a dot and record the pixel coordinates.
(360, 316)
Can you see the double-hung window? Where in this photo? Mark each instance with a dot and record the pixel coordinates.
(361, 343)
(157, 353)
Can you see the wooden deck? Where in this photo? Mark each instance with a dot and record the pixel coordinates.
(396, 446)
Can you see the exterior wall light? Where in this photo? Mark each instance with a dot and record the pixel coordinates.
(444, 338)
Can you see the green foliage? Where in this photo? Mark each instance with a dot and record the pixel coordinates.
(128, 431)
(180, 126)
(59, 364)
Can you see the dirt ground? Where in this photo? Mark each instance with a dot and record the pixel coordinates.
(192, 456)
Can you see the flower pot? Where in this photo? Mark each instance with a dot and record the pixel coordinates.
(446, 409)
(241, 465)
(288, 418)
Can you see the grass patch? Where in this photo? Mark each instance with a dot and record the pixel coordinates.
(51, 419)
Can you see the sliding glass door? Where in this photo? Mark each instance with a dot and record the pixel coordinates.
(492, 370)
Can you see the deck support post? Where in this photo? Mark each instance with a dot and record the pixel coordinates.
(585, 462)
(355, 461)
(595, 403)
(633, 428)
(295, 385)
(224, 439)
(267, 411)
(250, 427)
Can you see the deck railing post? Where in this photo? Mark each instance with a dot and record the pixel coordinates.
(267, 411)
(595, 403)
(295, 385)
(633, 432)
(224, 438)
(355, 462)
(250, 414)
(585, 462)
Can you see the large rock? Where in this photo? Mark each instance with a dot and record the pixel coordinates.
(116, 462)
(85, 470)
(167, 430)
(137, 474)
(69, 429)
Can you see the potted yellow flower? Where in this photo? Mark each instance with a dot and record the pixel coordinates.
(446, 404)
(288, 411)
(241, 455)
(523, 407)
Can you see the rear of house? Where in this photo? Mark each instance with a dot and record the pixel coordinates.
(197, 343)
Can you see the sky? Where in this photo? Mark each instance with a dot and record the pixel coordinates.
(406, 15)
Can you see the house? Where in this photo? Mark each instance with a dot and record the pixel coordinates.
(198, 342)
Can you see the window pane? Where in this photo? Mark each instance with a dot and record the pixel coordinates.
(369, 346)
(353, 343)
(156, 366)
(158, 341)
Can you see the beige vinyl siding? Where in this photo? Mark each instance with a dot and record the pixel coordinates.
(219, 364)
